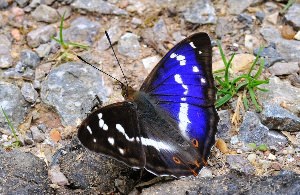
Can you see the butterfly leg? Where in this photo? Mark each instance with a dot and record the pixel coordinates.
(97, 103)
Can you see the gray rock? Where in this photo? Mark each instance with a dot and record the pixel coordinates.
(70, 86)
(236, 7)
(40, 35)
(293, 14)
(284, 68)
(252, 130)
(16, 73)
(276, 117)
(289, 49)
(200, 12)
(223, 27)
(12, 103)
(270, 55)
(37, 135)
(29, 93)
(82, 31)
(231, 183)
(260, 16)
(5, 56)
(29, 59)
(96, 173)
(66, 2)
(42, 71)
(280, 92)
(276, 140)
(224, 125)
(67, 10)
(156, 36)
(4, 4)
(23, 173)
(129, 46)
(22, 3)
(114, 33)
(43, 50)
(44, 13)
(47, 2)
(98, 6)
(245, 18)
(240, 163)
(294, 79)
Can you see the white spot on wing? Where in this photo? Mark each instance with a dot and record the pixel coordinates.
(111, 141)
(105, 127)
(89, 129)
(122, 130)
(122, 151)
(101, 123)
(195, 69)
(203, 80)
(183, 99)
(94, 140)
(183, 118)
(180, 57)
(158, 145)
(178, 79)
(100, 116)
(173, 55)
(192, 45)
(200, 52)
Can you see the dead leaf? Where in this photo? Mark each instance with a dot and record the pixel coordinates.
(222, 146)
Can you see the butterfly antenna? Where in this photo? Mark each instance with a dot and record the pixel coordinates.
(99, 69)
(107, 36)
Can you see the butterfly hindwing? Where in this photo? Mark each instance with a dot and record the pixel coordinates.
(182, 85)
(113, 130)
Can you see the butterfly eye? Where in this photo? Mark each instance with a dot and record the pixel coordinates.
(195, 143)
(176, 160)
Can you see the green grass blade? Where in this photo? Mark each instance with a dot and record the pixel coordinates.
(260, 69)
(11, 128)
(79, 45)
(245, 100)
(61, 31)
(256, 59)
(222, 52)
(253, 99)
(223, 100)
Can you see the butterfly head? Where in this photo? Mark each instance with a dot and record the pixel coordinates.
(128, 92)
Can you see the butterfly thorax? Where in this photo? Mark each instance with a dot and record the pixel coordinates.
(128, 93)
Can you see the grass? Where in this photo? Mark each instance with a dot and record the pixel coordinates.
(17, 142)
(246, 84)
(67, 48)
(287, 6)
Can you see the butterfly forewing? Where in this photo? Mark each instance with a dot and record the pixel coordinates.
(113, 130)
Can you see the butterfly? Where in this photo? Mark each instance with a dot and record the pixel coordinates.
(168, 126)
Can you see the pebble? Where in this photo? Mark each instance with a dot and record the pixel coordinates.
(271, 156)
(200, 12)
(252, 158)
(114, 33)
(276, 139)
(57, 177)
(40, 35)
(284, 68)
(272, 18)
(297, 36)
(292, 15)
(37, 136)
(287, 32)
(29, 59)
(43, 50)
(245, 18)
(260, 16)
(44, 13)
(136, 22)
(5, 56)
(64, 11)
(129, 45)
(251, 42)
(150, 62)
(234, 140)
(223, 27)
(42, 71)
(29, 93)
(4, 4)
(205, 172)
(224, 125)
(270, 54)
(235, 7)
(22, 3)
(239, 163)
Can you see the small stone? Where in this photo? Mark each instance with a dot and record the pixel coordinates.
(245, 18)
(270, 54)
(22, 3)
(234, 140)
(297, 36)
(276, 139)
(272, 18)
(15, 33)
(276, 166)
(29, 59)
(29, 93)
(284, 68)
(292, 15)
(37, 136)
(224, 125)
(129, 46)
(242, 62)
(294, 79)
(57, 177)
(252, 158)
(47, 2)
(114, 34)
(4, 4)
(42, 71)
(260, 16)
(271, 156)
(64, 11)
(43, 50)
(251, 42)
(44, 13)
(136, 21)
(265, 164)
(239, 163)
(40, 35)
(5, 56)
(236, 7)
(223, 27)
(177, 36)
(200, 12)
(205, 172)
(287, 32)
(150, 62)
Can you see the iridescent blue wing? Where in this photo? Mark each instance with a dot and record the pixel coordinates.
(182, 85)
